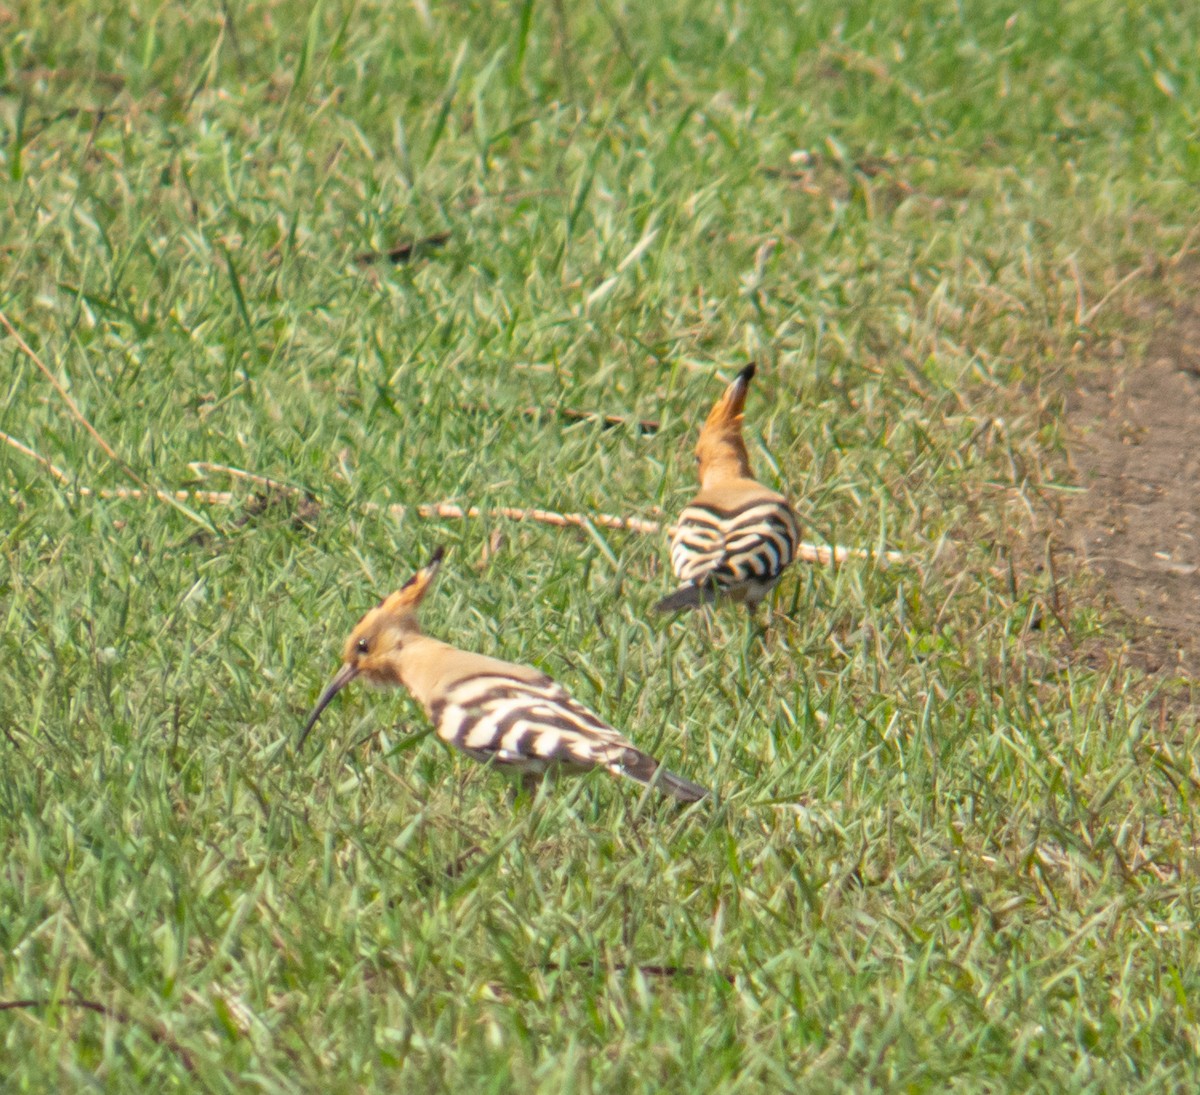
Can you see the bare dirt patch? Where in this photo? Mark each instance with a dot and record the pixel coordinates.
(1137, 452)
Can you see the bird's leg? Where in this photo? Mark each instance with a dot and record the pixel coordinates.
(761, 622)
(710, 621)
(524, 789)
(530, 782)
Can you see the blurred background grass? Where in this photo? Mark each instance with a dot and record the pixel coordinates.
(946, 847)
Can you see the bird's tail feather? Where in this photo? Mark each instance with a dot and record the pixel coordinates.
(687, 596)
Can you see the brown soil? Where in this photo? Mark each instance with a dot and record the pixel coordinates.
(1136, 425)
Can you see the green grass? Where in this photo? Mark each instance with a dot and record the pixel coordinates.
(945, 851)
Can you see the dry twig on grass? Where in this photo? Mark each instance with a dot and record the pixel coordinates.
(644, 426)
(202, 467)
(52, 468)
(204, 497)
(156, 1031)
(1136, 272)
(109, 451)
(451, 510)
(809, 552)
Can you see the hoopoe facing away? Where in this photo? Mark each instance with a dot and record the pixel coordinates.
(511, 715)
(735, 538)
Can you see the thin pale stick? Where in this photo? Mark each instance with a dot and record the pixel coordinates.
(66, 398)
(206, 497)
(453, 511)
(808, 552)
(200, 467)
(1094, 310)
(135, 494)
(541, 516)
(109, 451)
(57, 472)
(1186, 246)
(837, 553)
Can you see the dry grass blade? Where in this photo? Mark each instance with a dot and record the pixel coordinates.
(201, 467)
(25, 450)
(108, 450)
(72, 406)
(1133, 275)
(155, 1030)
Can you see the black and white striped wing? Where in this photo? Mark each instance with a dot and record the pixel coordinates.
(530, 725)
(730, 548)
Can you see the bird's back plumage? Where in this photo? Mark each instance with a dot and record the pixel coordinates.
(495, 711)
(532, 725)
(735, 538)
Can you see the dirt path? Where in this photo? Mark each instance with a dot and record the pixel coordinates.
(1137, 451)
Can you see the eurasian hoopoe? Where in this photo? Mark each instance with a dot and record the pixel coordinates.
(511, 715)
(736, 536)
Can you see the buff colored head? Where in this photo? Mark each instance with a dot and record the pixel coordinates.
(378, 637)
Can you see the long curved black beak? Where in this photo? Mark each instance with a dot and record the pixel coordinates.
(344, 676)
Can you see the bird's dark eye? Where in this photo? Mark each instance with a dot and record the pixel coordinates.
(364, 647)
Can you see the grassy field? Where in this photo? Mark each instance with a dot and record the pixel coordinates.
(947, 848)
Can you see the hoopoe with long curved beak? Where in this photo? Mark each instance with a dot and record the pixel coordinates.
(735, 538)
(510, 715)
